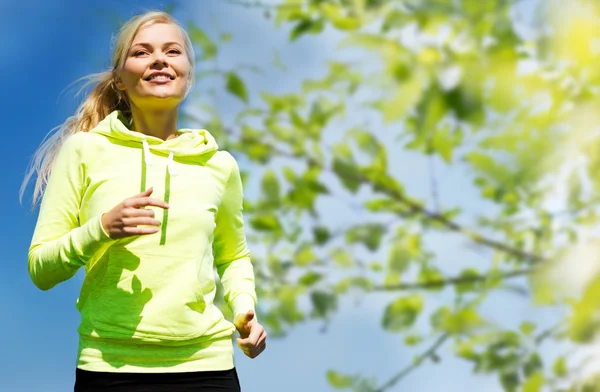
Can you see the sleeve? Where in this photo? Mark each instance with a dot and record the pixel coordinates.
(60, 246)
(231, 253)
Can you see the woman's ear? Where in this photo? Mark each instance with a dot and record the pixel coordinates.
(119, 85)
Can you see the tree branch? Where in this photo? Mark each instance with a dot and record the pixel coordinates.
(429, 353)
(417, 209)
(452, 281)
(414, 207)
(549, 332)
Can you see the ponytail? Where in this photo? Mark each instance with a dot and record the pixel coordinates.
(102, 100)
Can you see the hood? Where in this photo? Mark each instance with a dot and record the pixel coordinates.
(188, 143)
(196, 145)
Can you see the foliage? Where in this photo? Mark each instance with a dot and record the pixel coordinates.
(459, 94)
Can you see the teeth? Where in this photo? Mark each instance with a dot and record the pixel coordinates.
(159, 77)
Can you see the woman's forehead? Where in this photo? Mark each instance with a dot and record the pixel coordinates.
(158, 33)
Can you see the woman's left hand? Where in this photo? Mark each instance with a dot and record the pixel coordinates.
(253, 337)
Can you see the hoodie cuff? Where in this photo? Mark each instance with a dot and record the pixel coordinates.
(242, 303)
(103, 234)
(90, 239)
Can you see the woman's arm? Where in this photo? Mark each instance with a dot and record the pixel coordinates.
(232, 257)
(60, 246)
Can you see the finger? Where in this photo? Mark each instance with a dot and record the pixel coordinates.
(260, 348)
(140, 221)
(246, 344)
(262, 339)
(250, 341)
(146, 201)
(255, 334)
(249, 316)
(140, 230)
(256, 351)
(146, 193)
(137, 212)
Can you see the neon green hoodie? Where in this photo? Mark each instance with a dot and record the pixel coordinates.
(146, 302)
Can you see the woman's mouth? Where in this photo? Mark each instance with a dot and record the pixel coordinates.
(159, 78)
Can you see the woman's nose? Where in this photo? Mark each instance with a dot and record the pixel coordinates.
(159, 58)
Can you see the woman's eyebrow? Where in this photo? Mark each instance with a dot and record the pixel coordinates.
(146, 44)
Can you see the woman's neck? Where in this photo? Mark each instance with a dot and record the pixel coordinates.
(160, 123)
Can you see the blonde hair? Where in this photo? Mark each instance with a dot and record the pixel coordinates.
(101, 101)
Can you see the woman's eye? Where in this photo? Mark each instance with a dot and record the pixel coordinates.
(138, 53)
(174, 51)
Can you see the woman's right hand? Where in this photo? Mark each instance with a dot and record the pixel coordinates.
(123, 220)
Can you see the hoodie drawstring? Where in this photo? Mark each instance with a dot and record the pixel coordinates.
(146, 152)
(147, 160)
(171, 164)
(170, 173)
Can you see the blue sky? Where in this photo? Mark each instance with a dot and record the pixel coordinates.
(46, 46)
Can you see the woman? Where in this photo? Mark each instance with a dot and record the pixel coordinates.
(146, 209)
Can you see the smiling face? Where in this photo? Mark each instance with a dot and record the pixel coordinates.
(157, 70)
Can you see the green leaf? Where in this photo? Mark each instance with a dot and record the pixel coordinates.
(467, 105)
(346, 171)
(584, 322)
(405, 98)
(402, 313)
(335, 16)
(306, 26)
(366, 141)
(236, 86)
(429, 112)
(463, 321)
(321, 234)
(373, 147)
(383, 205)
(559, 368)
(413, 340)
(397, 19)
(399, 258)
(289, 174)
(338, 380)
(323, 303)
(277, 63)
(376, 266)
(534, 383)
(225, 37)
(430, 275)
(468, 274)
(360, 282)
(200, 38)
(533, 365)
(466, 350)
(310, 278)
(305, 255)
(527, 327)
(342, 257)
(369, 234)
(444, 142)
(270, 187)
(265, 223)
(510, 381)
(291, 10)
(288, 307)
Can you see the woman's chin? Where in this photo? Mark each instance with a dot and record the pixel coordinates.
(158, 97)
